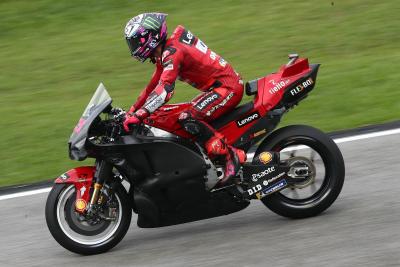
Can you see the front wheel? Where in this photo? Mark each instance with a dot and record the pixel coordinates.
(81, 234)
(300, 145)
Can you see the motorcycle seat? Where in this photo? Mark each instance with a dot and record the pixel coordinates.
(233, 115)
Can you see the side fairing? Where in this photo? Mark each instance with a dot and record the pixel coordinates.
(81, 178)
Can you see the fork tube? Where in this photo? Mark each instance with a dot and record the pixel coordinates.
(103, 171)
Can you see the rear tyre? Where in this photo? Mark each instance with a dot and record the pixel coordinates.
(334, 171)
(77, 235)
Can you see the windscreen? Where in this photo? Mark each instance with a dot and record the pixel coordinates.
(100, 100)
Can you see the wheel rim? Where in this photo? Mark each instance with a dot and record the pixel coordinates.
(75, 233)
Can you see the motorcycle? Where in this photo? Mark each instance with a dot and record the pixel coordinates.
(159, 172)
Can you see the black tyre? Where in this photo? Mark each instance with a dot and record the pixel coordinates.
(77, 235)
(294, 143)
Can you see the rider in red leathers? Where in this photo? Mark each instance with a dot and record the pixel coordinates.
(185, 57)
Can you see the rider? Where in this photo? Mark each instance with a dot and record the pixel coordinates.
(185, 57)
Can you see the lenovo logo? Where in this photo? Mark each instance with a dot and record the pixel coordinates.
(248, 119)
(207, 101)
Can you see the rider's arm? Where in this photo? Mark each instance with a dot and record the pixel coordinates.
(163, 92)
(149, 88)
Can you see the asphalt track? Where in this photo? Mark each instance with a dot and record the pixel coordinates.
(362, 228)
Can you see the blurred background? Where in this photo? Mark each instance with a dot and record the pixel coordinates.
(53, 54)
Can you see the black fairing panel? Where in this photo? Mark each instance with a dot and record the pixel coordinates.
(251, 87)
(299, 90)
(169, 182)
(211, 205)
(155, 159)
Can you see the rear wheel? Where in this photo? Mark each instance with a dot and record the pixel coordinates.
(81, 234)
(305, 148)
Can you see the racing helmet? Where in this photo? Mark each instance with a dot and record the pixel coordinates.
(144, 33)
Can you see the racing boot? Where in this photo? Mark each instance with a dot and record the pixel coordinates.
(233, 157)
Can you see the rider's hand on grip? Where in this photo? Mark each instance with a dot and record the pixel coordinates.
(131, 120)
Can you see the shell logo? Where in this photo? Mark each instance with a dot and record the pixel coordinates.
(80, 205)
(265, 157)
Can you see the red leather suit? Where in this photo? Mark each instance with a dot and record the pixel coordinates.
(187, 58)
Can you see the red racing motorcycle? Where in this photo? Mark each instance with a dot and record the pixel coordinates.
(160, 173)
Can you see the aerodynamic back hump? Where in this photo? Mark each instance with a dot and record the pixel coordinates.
(288, 86)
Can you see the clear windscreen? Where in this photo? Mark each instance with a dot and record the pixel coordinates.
(100, 97)
(100, 100)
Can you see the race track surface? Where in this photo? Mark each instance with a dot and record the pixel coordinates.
(362, 228)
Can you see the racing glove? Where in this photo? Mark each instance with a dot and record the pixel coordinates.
(135, 118)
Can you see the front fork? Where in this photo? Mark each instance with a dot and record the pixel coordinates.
(103, 172)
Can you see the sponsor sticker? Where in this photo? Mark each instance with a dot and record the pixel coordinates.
(201, 46)
(274, 188)
(170, 108)
(265, 157)
(300, 88)
(80, 205)
(223, 103)
(257, 188)
(277, 86)
(83, 189)
(207, 101)
(222, 62)
(254, 189)
(154, 103)
(187, 38)
(64, 176)
(80, 125)
(256, 176)
(250, 118)
(263, 131)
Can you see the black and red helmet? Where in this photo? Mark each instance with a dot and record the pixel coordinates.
(144, 33)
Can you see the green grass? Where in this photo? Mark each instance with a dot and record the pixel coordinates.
(53, 54)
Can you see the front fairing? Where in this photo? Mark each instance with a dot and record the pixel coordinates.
(99, 102)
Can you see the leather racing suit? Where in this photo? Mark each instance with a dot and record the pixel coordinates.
(187, 58)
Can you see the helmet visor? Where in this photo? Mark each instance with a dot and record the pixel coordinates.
(134, 45)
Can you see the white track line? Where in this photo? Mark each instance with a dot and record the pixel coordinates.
(345, 139)
(26, 193)
(338, 141)
(367, 136)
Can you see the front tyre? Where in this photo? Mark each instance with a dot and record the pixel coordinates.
(299, 144)
(79, 236)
